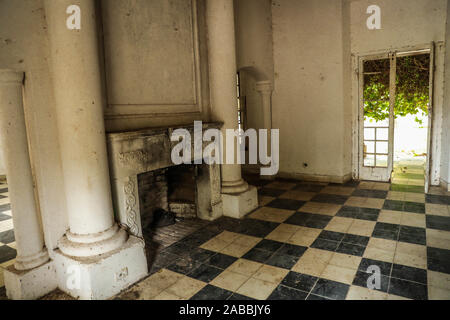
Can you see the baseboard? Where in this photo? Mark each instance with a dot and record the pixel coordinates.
(304, 176)
(444, 184)
(316, 177)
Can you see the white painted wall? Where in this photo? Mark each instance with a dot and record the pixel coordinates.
(445, 155)
(311, 88)
(403, 23)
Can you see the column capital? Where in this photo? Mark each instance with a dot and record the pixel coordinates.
(11, 76)
(264, 86)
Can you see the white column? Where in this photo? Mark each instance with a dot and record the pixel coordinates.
(79, 111)
(223, 90)
(265, 88)
(27, 229)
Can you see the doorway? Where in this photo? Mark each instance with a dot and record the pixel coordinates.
(395, 117)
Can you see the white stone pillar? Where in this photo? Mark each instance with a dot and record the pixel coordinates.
(27, 229)
(116, 260)
(238, 197)
(32, 275)
(79, 110)
(265, 88)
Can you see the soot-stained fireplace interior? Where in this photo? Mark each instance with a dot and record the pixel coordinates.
(167, 195)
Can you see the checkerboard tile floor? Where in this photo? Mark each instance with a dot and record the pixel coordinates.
(314, 241)
(7, 240)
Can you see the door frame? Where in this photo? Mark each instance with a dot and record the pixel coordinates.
(437, 49)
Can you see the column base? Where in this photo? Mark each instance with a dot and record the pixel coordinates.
(102, 276)
(237, 205)
(93, 244)
(30, 284)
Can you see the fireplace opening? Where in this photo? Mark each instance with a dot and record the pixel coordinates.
(167, 195)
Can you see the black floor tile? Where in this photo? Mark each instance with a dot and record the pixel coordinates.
(386, 231)
(409, 273)
(385, 267)
(255, 227)
(5, 207)
(270, 192)
(408, 289)
(4, 217)
(299, 281)
(353, 249)
(292, 250)
(438, 260)
(3, 190)
(331, 235)
(286, 204)
(329, 198)
(330, 289)
(7, 253)
(183, 266)
(309, 220)
(281, 260)
(359, 213)
(414, 207)
(205, 273)
(362, 279)
(237, 296)
(258, 255)
(163, 259)
(393, 205)
(309, 187)
(285, 293)
(325, 244)
(436, 222)
(7, 236)
(180, 248)
(355, 239)
(437, 199)
(269, 245)
(220, 260)
(316, 297)
(210, 292)
(201, 255)
(379, 194)
(412, 235)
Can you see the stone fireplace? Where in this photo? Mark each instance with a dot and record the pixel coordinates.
(144, 179)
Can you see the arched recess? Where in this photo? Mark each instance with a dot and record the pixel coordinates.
(255, 92)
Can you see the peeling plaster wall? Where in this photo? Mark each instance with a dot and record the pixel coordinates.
(403, 23)
(311, 88)
(23, 47)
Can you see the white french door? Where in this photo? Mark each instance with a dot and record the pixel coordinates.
(376, 130)
(376, 137)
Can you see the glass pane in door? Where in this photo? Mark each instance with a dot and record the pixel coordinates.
(376, 112)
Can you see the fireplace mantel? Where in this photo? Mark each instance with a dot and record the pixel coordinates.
(134, 152)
